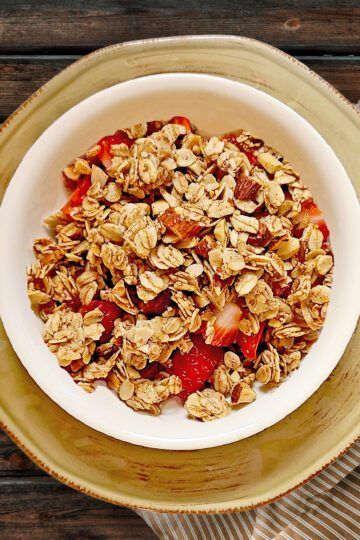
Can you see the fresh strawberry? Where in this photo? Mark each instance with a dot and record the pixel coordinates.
(75, 303)
(156, 306)
(182, 121)
(183, 228)
(77, 196)
(151, 371)
(69, 183)
(246, 188)
(219, 173)
(310, 212)
(206, 244)
(110, 311)
(227, 325)
(249, 344)
(153, 126)
(195, 367)
(202, 329)
(105, 155)
(249, 153)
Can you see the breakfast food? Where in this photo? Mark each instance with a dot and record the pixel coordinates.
(182, 266)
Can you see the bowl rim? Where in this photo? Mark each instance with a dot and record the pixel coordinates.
(76, 405)
(22, 439)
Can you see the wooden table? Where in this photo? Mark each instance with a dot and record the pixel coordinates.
(37, 40)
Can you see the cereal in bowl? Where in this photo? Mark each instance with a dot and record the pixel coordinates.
(182, 265)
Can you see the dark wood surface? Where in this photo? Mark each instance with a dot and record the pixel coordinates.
(37, 40)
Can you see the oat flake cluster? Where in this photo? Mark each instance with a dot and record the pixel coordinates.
(182, 265)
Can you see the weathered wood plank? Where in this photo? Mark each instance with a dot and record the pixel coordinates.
(13, 462)
(41, 508)
(75, 26)
(21, 76)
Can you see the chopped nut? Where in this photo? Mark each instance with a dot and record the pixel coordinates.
(242, 393)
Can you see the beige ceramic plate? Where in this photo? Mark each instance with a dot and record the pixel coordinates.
(241, 475)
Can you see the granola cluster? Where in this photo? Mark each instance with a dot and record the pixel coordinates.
(166, 235)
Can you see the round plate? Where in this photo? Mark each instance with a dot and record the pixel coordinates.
(233, 477)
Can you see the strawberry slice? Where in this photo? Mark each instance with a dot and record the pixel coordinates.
(206, 244)
(77, 196)
(105, 155)
(151, 371)
(195, 367)
(310, 212)
(183, 228)
(182, 121)
(156, 306)
(227, 325)
(249, 344)
(111, 312)
(248, 153)
(153, 126)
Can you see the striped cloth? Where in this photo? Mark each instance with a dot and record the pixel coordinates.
(325, 508)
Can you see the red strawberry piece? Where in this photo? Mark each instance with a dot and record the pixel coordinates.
(182, 121)
(110, 311)
(75, 303)
(249, 153)
(227, 325)
(157, 305)
(38, 283)
(183, 228)
(153, 126)
(246, 188)
(195, 367)
(105, 155)
(77, 196)
(205, 245)
(262, 238)
(310, 212)
(48, 308)
(249, 344)
(219, 173)
(69, 183)
(151, 371)
(202, 329)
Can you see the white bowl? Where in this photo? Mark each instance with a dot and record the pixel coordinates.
(215, 105)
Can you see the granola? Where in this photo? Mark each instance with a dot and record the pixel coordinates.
(182, 266)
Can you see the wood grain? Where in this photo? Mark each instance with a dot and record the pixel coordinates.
(40, 508)
(32, 501)
(76, 26)
(22, 76)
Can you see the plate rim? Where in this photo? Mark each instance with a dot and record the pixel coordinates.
(340, 447)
